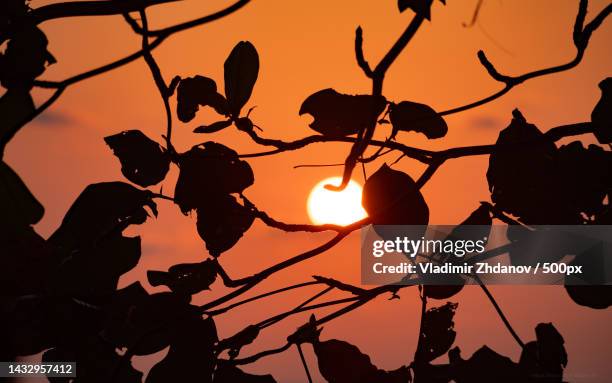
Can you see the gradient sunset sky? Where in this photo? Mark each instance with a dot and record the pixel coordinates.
(305, 46)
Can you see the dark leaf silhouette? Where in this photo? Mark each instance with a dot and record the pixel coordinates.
(589, 288)
(197, 91)
(148, 324)
(235, 343)
(522, 182)
(221, 223)
(342, 362)
(241, 70)
(25, 57)
(484, 366)
(437, 334)
(100, 210)
(143, 161)
(391, 197)
(186, 278)
(16, 106)
(208, 171)
(544, 359)
(97, 362)
(410, 116)
(94, 271)
(191, 356)
(480, 217)
(420, 7)
(18, 207)
(117, 311)
(601, 117)
(214, 127)
(339, 115)
(226, 373)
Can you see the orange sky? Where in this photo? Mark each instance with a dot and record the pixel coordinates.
(305, 47)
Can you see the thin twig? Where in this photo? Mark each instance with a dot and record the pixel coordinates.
(299, 348)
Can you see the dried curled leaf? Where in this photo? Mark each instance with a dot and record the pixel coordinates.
(100, 210)
(221, 223)
(16, 106)
(601, 117)
(18, 207)
(241, 70)
(339, 115)
(410, 116)
(185, 278)
(484, 366)
(208, 171)
(420, 7)
(437, 334)
(391, 197)
(214, 127)
(235, 343)
(197, 91)
(143, 161)
(588, 288)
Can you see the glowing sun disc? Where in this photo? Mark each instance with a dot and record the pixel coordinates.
(340, 208)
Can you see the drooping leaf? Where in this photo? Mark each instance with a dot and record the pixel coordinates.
(235, 343)
(221, 223)
(207, 171)
(601, 117)
(391, 197)
(191, 357)
(522, 182)
(241, 70)
(100, 210)
(18, 207)
(186, 278)
(544, 359)
(25, 57)
(484, 366)
(342, 362)
(410, 116)
(588, 288)
(214, 127)
(420, 7)
(339, 115)
(143, 161)
(226, 373)
(16, 106)
(437, 334)
(197, 91)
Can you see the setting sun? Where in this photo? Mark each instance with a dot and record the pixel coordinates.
(340, 208)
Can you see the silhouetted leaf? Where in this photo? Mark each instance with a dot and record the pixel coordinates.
(414, 117)
(100, 210)
(341, 362)
(438, 332)
(420, 7)
(214, 127)
(198, 91)
(241, 69)
(97, 362)
(18, 207)
(25, 57)
(191, 356)
(143, 161)
(185, 278)
(484, 366)
(226, 373)
(601, 117)
(94, 271)
(207, 171)
(16, 106)
(391, 197)
(221, 223)
(235, 343)
(543, 360)
(339, 115)
(522, 182)
(589, 288)
(117, 311)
